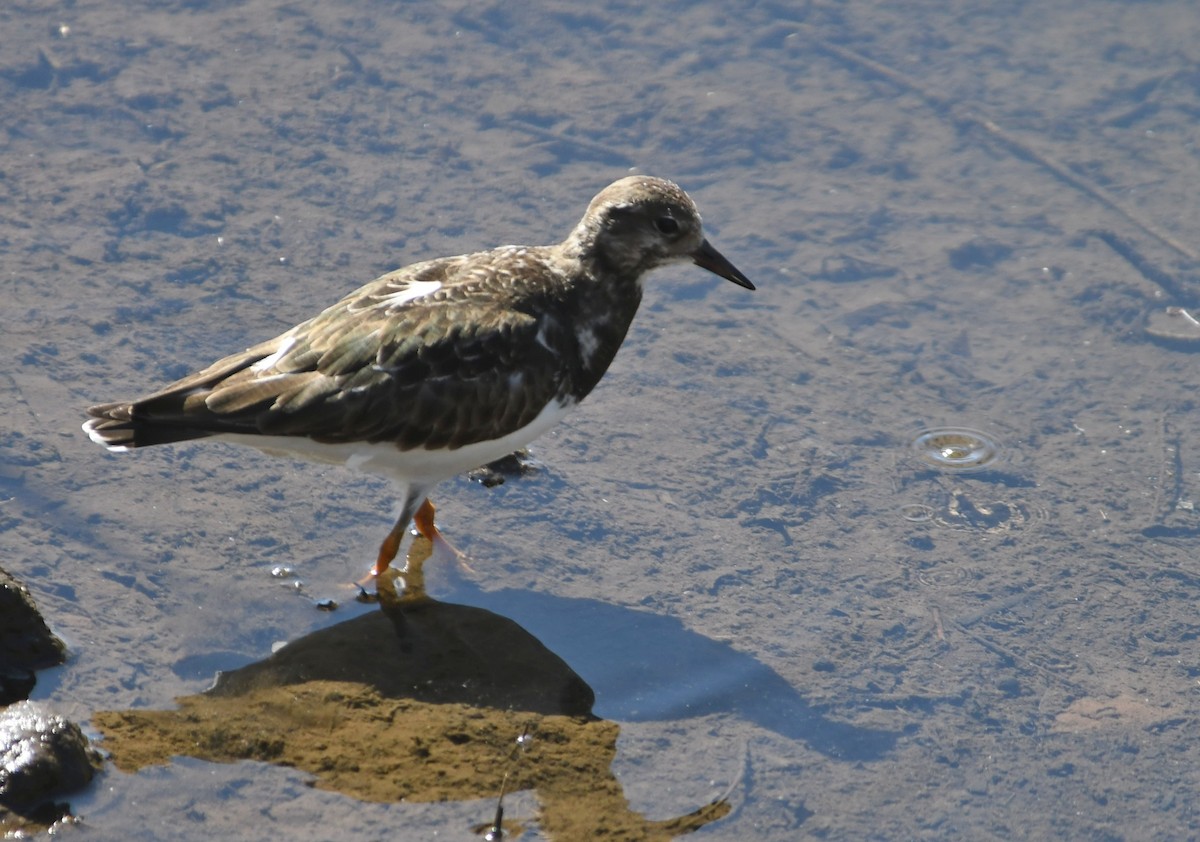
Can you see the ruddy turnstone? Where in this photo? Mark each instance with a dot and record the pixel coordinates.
(439, 367)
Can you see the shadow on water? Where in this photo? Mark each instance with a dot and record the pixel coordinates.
(432, 701)
(651, 668)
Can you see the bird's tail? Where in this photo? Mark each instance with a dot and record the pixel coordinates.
(118, 427)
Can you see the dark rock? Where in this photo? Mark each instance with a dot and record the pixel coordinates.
(42, 756)
(26, 643)
(513, 466)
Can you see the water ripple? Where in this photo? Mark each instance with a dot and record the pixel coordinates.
(959, 449)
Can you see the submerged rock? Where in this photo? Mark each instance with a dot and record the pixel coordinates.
(42, 757)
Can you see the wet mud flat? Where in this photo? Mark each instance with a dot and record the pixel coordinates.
(957, 218)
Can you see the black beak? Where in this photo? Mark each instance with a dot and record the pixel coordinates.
(709, 258)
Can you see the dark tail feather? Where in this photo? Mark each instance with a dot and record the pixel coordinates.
(179, 412)
(116, 426)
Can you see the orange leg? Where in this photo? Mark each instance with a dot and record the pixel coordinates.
(388, 549)
(422, 520)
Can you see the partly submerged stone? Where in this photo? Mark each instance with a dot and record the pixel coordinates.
(43, 756)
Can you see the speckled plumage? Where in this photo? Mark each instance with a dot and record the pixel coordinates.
(443, 362)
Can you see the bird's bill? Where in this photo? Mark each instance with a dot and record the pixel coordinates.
(709, 258)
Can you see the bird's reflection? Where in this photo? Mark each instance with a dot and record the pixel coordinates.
(419, 701)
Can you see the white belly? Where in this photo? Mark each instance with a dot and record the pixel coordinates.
(417, 466)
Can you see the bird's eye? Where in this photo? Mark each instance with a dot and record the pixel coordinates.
(666, 225)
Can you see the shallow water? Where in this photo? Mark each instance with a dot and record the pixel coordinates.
(956, 218)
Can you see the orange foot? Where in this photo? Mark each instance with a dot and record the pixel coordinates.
(422, 520)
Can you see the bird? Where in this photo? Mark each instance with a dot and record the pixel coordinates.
(441, 366)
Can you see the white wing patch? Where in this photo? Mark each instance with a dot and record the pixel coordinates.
(411, 292)
(267, 362)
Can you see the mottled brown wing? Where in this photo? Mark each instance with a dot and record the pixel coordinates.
(446, 369)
